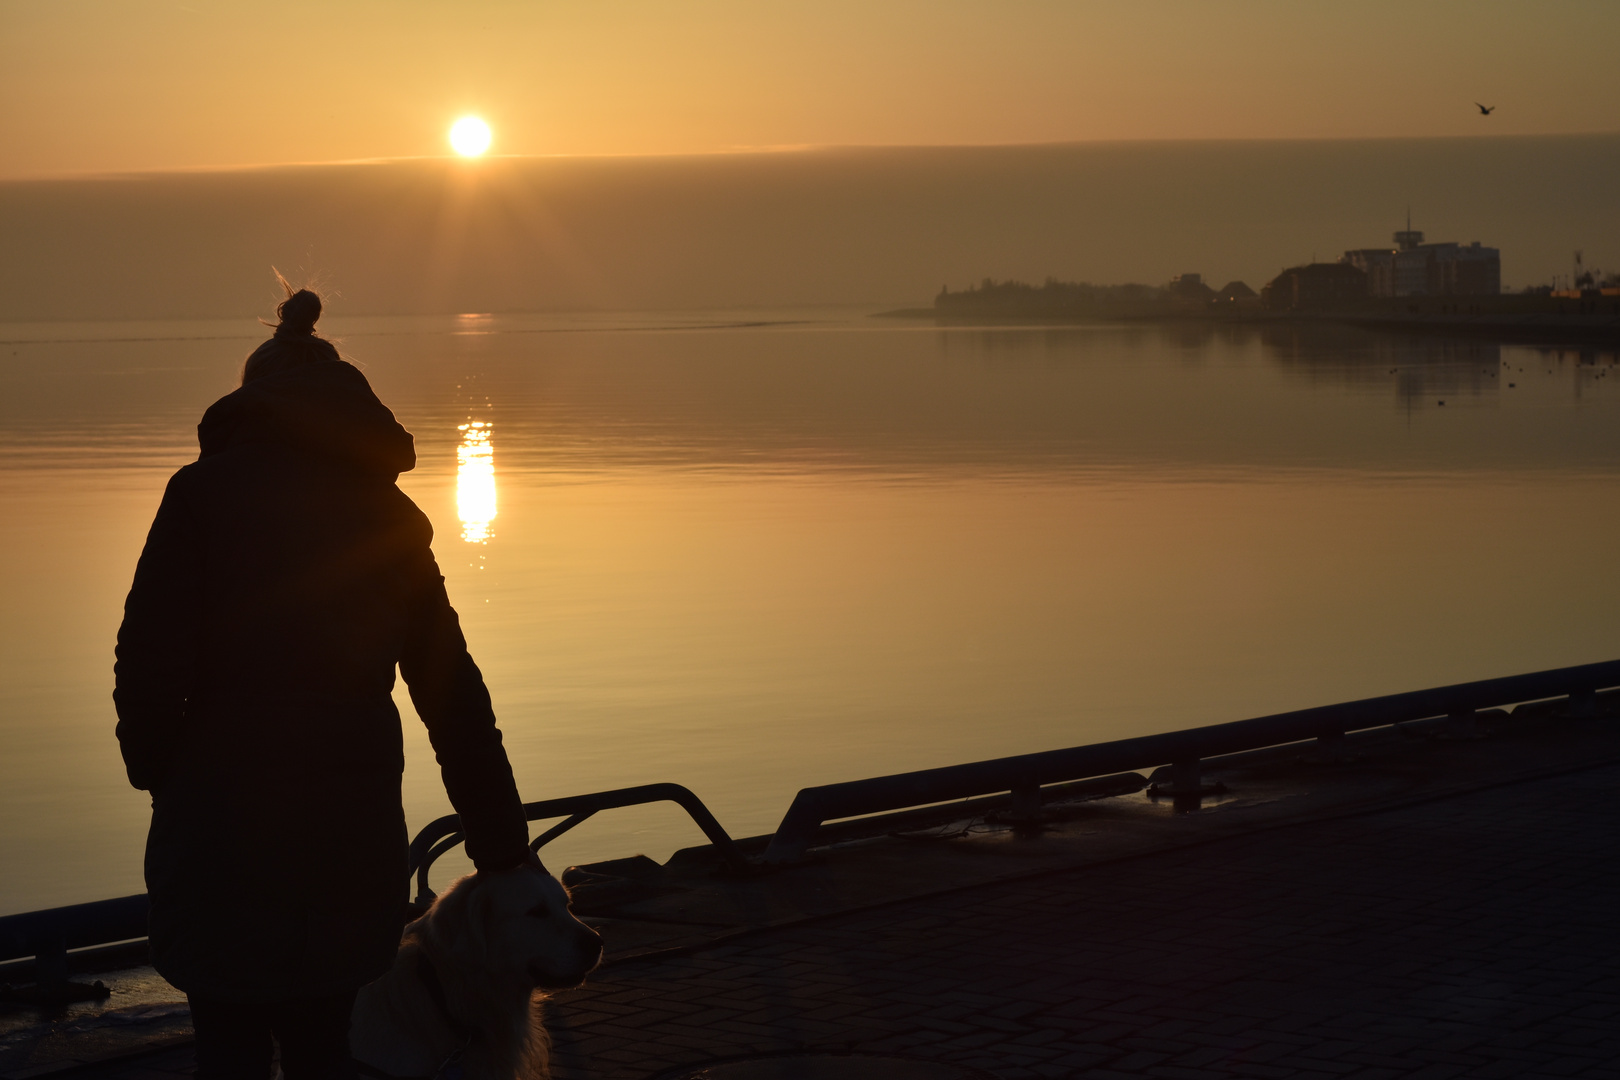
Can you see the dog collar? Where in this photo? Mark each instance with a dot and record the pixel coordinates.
(435, 988)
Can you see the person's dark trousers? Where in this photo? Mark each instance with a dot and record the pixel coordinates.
(234, 1039)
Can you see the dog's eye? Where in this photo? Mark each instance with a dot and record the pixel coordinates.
(541, 912)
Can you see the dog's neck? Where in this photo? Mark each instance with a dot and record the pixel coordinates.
(413, 997)
(435, 990)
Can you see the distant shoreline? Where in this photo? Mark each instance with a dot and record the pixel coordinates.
(1551, 327)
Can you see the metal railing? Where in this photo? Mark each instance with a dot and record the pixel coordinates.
(48, 935)
(441, 835)
(1025, 774)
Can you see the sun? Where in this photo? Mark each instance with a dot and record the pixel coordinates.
(470, 136)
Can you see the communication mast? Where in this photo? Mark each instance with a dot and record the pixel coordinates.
(1408, 238)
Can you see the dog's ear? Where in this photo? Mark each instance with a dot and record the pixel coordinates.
(444, 928)
(480, 917)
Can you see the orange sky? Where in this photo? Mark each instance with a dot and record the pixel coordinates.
(94, 85)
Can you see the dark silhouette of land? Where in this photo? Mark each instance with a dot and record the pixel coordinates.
(1331, 292)
(1053, 299)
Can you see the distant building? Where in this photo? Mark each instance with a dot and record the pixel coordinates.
(1413, 268)
(1190, 287)
(1315, 286)
(1236, 292)
(1379, 266)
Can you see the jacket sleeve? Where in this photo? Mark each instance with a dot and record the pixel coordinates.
(156, 655)
(449, 694)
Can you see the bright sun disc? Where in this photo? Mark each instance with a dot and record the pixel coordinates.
(470, 136)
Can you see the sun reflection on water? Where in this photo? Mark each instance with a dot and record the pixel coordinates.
(475, 482)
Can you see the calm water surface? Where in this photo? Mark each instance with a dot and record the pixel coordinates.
(753, 552)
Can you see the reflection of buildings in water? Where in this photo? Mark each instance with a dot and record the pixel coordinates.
(1589, 364)
(1418, 366)
(475, 482)
(1440, 368)
(1587, 355)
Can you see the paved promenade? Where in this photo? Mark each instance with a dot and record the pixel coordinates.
(1472, 936)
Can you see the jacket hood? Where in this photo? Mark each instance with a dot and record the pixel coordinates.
(324, 407)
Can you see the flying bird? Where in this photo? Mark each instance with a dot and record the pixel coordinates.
(1485, 110)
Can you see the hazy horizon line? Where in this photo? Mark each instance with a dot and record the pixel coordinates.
(767, 150)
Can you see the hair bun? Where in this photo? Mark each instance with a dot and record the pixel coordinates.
(298, 313)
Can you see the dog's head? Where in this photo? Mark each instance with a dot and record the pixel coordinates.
(517, 923)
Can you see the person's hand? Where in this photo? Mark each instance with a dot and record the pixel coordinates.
(532, 860)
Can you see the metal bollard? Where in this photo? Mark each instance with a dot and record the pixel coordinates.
(1184, 780)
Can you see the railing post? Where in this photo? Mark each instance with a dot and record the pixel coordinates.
(50, 959)
(1583, 704)
(52, 987)
(1024, 808)
(1332, 748)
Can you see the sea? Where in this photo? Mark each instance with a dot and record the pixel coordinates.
(753, 550)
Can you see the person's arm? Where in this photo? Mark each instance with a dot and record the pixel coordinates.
(449, 694)
(157, 643)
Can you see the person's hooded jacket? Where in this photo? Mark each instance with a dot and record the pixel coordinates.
(284, 578)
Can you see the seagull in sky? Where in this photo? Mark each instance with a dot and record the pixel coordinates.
(1485, 110)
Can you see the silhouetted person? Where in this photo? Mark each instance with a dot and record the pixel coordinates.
(283, 579)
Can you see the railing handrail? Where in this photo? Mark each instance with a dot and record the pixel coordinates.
(856, 798)
(444, 833)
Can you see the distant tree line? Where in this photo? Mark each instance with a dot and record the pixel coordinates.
(1071, 299)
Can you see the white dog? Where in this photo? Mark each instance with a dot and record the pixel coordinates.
(465, 990)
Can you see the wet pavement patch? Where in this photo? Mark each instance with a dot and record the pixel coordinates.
(826, 1067)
